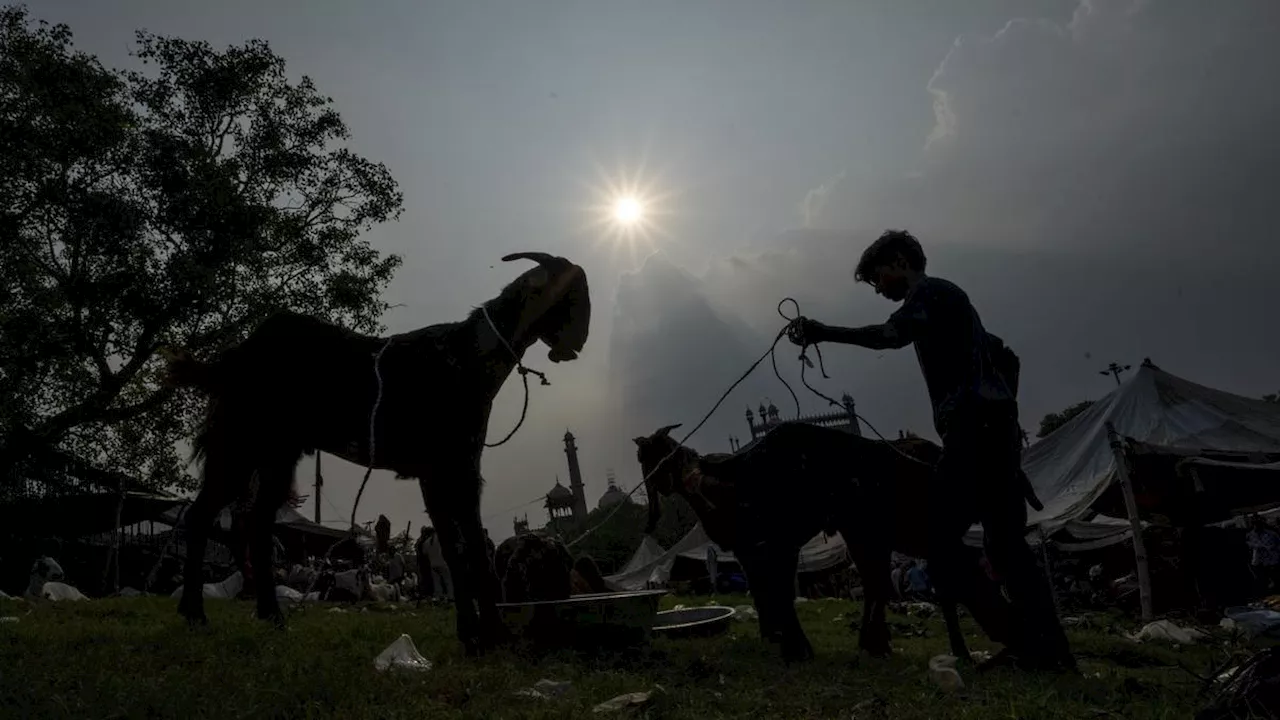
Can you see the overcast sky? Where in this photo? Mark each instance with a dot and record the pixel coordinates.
(1095, 173)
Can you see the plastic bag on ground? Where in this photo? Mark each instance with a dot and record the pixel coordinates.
(401, 654)
(60, 591)
(743, 613)
(226, 590)
(1167, 631)
(545, 689)
(629, 700)
(942, 669)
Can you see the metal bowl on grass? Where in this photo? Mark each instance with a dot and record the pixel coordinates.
(694, 622)
(614, 619)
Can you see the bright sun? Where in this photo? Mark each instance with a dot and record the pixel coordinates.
(627, 210)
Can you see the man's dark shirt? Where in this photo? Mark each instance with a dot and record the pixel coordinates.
(951, 345)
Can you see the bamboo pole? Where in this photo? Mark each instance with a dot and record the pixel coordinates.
(1048, 565)
(1131, 505)
(319, 483)
(112, 570)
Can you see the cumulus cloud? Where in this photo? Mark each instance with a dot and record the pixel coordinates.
(815, 201)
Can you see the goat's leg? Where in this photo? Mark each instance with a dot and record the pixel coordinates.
(480, 573)
(872, 557)
(443, 507)
(198, 518)
(952, 619)
(782, 562)
(454, 549)
(223, 478)
(274, 483)
(754, 569)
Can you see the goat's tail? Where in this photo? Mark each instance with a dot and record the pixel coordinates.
(183, 370)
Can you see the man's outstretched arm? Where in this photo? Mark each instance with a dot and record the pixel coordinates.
(872, 337)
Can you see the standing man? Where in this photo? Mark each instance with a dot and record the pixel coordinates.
(1264, 546)
(441, 579)
(426, 584)
(972, 381)
(713, 567)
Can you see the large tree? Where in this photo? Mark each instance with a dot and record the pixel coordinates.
(177, 203)
(1272, 398)
(1053, 421)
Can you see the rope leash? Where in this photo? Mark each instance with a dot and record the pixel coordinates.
(373, 415)
(771, 354)
(373, 427)
(767, 354)
(805, 362)
(524, 377)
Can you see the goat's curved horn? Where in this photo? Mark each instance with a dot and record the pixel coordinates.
(665, 431)
(544, 259)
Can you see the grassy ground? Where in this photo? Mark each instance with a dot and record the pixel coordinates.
(134, 658)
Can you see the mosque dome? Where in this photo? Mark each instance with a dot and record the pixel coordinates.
(560, 495)
(614, 494)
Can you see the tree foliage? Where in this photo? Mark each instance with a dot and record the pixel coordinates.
(174, 204)
(1272, 398)
(1053, 421)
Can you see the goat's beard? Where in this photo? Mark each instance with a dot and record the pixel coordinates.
(561, 355)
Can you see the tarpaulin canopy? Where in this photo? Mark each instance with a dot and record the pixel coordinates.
(650, 566)
(79, 515)
(1074, 466)
(286, 518)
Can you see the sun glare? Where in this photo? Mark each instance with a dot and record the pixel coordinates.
(627, 210)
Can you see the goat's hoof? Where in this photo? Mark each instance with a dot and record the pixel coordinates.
(797, 652)
(196, 619)
(276, 618)
(879, 651)
(496, 636)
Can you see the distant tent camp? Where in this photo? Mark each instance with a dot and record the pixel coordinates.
(651, 566)
(298, 534)
(1074, 467)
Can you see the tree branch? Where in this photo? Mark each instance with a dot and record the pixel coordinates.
(128, 412)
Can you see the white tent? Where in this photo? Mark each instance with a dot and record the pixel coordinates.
(650, 566)
(1072, 467)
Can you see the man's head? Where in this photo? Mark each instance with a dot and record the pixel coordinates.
(892, 264)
